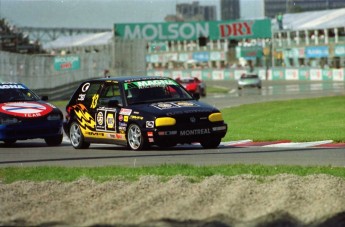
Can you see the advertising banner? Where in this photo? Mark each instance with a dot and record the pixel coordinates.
(66, 63)
(339, 50)
(201, 56)
(249, 52)
(316, 52)
(278, 74)
(291, 74)
(213, 30)
(316, 74)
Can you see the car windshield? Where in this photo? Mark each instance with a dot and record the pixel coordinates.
(250, 76)
(157, 90)
(13, 95)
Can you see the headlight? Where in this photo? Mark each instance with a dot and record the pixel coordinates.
(54, 117)
(165, 121)
(215, 117)
(8, 120)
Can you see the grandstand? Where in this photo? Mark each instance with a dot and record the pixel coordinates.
(11, 40)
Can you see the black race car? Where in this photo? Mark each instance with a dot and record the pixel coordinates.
(139, 112)
(24, 115)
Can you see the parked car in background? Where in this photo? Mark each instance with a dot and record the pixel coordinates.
(24, 115)
(139, 112)
(193, 85)
(249, 80)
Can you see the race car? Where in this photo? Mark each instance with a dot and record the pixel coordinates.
(24, 115)
(140, 112)
(193, 85)
(249, 80)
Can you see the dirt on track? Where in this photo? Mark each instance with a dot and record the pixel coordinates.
(246, 200)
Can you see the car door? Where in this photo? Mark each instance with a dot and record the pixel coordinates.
(107, 108)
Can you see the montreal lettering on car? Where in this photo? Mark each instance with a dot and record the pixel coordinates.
(140, 112)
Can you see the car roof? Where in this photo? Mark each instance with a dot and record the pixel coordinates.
(12, 84)
(130, 78)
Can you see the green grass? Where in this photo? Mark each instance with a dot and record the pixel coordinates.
(216, 90)
(296, 120)
(196, 173)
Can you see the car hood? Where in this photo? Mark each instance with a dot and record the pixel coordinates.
(25, 109)
(175, 108)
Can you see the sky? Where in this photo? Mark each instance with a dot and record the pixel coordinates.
(99, 13)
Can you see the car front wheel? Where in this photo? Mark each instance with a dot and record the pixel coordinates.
(135, 139)
(211, 143)
(54, 140)
(76, 137)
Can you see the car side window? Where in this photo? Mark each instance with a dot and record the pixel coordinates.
(110, 92)
(91, 95)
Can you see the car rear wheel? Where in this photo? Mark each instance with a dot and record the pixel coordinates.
(76, 137)
(135, 139)
(10, 141)
(54, 140)
(211, 143)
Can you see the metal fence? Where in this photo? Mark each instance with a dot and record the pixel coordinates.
(39, 72)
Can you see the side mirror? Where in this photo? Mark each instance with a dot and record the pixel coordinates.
(196, 96)
(44, 98)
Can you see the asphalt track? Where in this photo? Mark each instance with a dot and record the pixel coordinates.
(324, 153)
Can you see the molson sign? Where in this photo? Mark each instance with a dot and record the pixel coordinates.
(214, 30)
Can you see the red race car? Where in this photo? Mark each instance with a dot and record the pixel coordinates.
(194, 85)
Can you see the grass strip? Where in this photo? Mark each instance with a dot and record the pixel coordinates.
(297, 120)
(68, 174)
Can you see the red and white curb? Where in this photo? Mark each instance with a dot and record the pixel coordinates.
(273, 144)
(284, 144)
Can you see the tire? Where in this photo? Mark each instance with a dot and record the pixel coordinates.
(211, 143)
(10, 142)
(135, 138)
(76, 137)
(54, 140)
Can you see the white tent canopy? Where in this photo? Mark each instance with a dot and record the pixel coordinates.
(80, 40)
(313, 20)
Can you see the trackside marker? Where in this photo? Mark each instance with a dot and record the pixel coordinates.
(300, 145)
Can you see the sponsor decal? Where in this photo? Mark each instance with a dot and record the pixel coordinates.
(95, 134)
(81, 97)
(194, 132)
(125, 111)
(150, 124)
(134, 117)
(11, 86)
(185, 104)
(110, 121)
(154, 83)
(171, 105)
(167, 133)
(120, 136)
(122, 124)
(25, 109)
(125, 118)
(85, 87)
(120, 117)
(100, 118)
